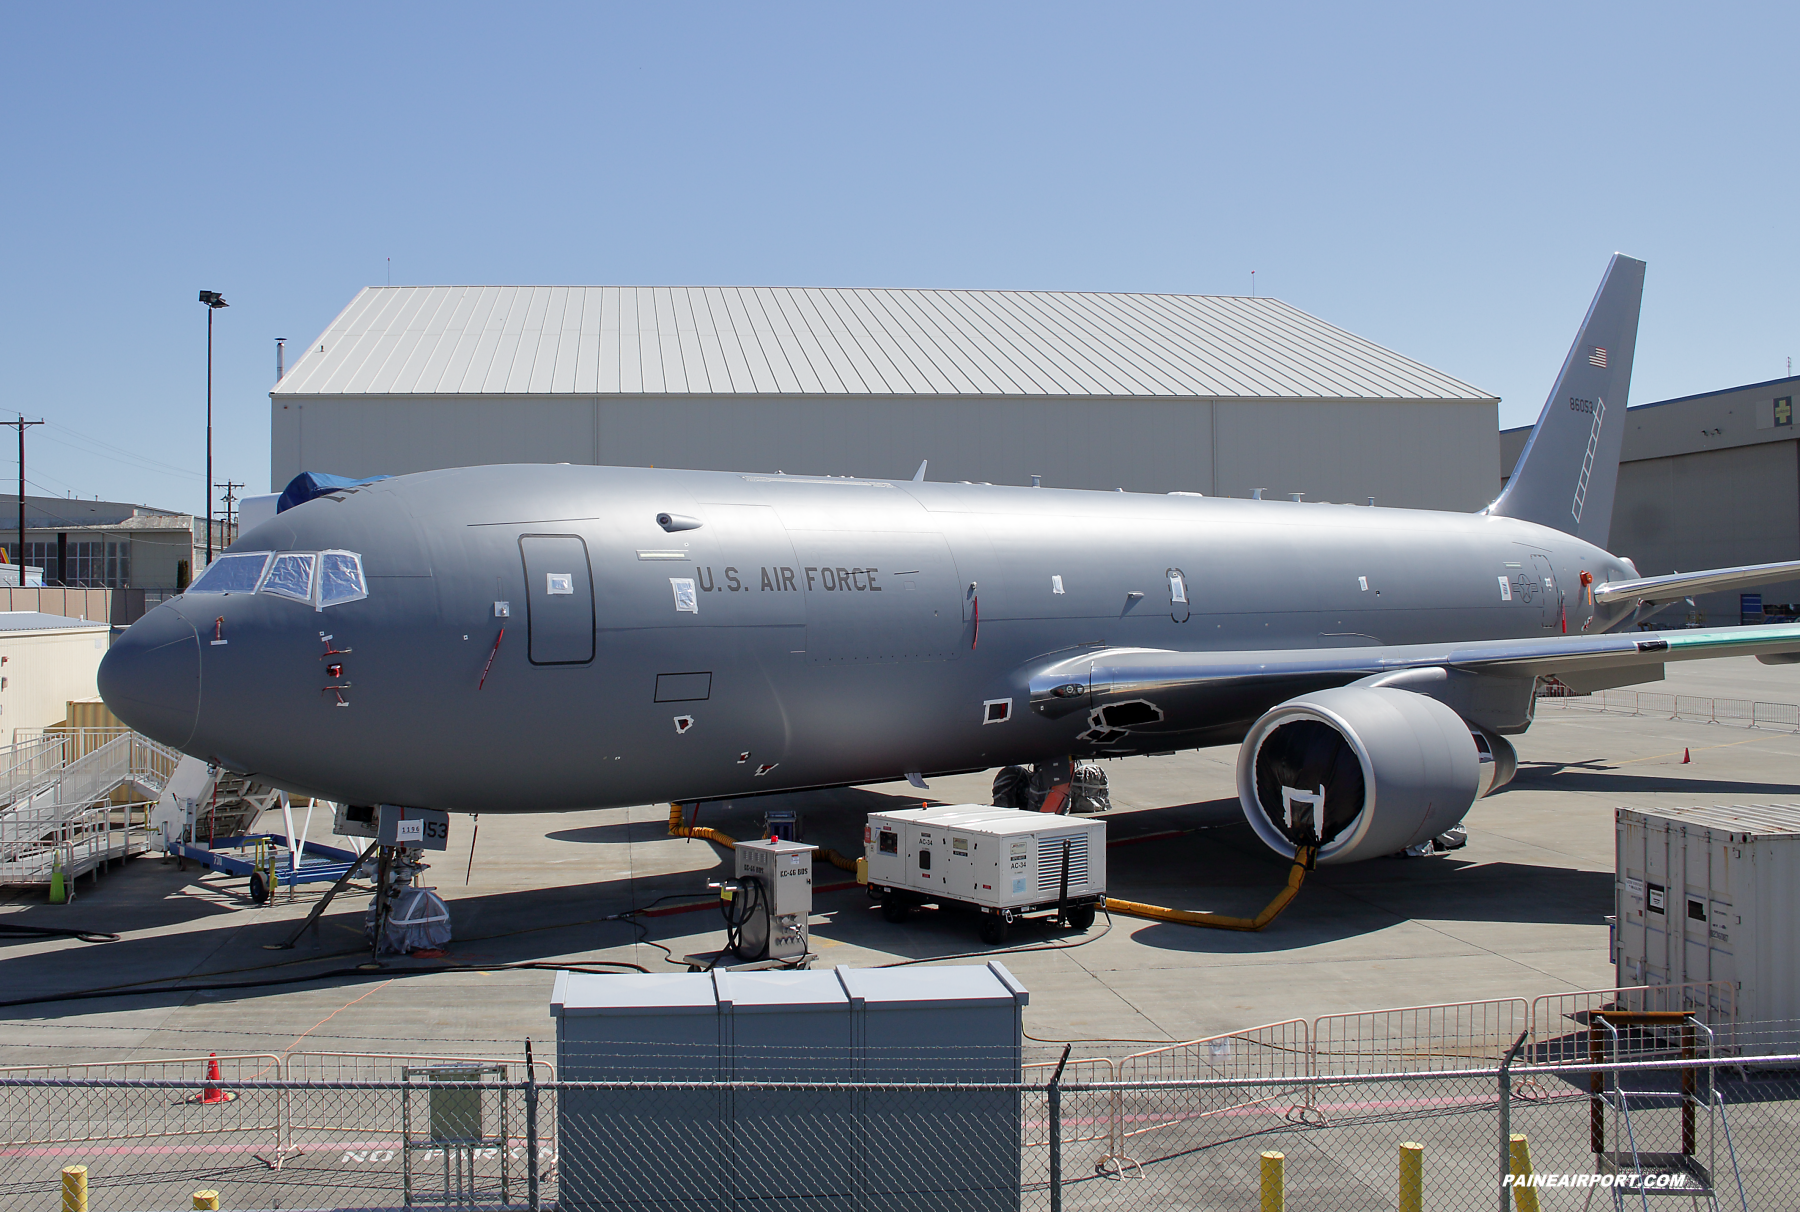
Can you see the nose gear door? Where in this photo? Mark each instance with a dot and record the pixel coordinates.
(559, 599)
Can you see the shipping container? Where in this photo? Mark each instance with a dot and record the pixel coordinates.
(1713, 894)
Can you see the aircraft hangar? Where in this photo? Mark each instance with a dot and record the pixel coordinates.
(1220, 395)
(1707, 481)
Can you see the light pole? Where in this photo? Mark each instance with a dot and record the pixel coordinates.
(213, 300)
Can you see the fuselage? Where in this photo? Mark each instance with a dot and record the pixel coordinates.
(533, 638)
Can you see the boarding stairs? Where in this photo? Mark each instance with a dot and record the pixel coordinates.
(1641, 1173)
(77, 799)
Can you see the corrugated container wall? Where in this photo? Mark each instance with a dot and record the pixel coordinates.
(829, 1150)
(1713, 894)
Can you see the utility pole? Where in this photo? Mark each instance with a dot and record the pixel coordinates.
(19, 556)
(229, 497)
(213, 300)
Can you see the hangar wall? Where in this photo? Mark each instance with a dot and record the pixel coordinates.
(1428, 455)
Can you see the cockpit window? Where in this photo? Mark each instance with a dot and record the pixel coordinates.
(291, 576)
(340, 578)
(232, 574)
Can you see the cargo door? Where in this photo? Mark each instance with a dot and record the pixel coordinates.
(559, 599)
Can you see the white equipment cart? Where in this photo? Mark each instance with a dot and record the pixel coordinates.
(999, 862)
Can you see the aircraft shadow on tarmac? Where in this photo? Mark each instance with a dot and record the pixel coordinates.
(1199, 855)
(1595, 777)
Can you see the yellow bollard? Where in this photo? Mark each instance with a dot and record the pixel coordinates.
(206, 1201)
(1524, 1198)
(1273, 1188)
(74, 1189)
(1412, 1177)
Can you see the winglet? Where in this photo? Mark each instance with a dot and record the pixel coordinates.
(1567, 474)
(919, 475)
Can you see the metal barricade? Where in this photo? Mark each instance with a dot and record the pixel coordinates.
(126, 1114)
(1776, 715)
(1693, 707)
(1454, 1035)
(1734, 711)
(1559, 1021)
(1274, 1051)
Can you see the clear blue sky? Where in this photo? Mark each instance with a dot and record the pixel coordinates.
(1447, 180)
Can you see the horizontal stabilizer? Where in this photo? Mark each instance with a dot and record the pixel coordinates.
(1655, 590)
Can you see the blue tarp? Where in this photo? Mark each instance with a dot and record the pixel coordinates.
(309, 484)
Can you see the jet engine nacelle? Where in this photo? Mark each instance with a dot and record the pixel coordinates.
(1365, 771)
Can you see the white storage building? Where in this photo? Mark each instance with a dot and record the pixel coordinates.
(1150, 393)
(46, 661)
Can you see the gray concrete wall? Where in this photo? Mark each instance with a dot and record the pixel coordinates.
(1712, 509)
(1420, 455)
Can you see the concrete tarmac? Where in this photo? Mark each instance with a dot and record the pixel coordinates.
(1519, 912)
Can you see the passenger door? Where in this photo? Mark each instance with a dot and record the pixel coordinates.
(559, 599)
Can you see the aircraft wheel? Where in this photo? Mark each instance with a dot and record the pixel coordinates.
(893, 908)
(1011, 787)
(1081, 917)
(993, 929)
(259, 888)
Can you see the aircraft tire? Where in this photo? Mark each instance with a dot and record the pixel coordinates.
(894, 908)
(993, 929)
(1012, 787)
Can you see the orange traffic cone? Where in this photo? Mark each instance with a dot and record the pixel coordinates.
(212, 1093)
(1685, 759)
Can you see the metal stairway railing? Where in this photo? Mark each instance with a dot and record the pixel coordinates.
(61, 809)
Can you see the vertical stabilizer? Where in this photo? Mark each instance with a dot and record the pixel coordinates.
(1569, 469)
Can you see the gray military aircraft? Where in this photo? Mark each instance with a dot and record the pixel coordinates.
(541, 638)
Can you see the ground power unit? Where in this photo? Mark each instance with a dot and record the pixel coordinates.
(766, 917)
(1002, 863)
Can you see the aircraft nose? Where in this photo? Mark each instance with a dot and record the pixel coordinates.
(150, 677)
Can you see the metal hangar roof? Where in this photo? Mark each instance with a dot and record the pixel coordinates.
(734, 340)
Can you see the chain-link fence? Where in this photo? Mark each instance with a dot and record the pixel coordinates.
(1209, 1128)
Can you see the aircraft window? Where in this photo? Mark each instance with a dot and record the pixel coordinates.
(340, 578)
(291, 576)
(232, 574)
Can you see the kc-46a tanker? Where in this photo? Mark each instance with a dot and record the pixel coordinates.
(538, 638)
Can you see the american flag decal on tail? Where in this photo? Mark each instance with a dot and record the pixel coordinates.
(1597, 358)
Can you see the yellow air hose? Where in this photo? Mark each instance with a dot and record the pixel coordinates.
(678, 827)
(1303, 861)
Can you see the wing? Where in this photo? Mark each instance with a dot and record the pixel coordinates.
(1134, 696)
(1656, 590)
